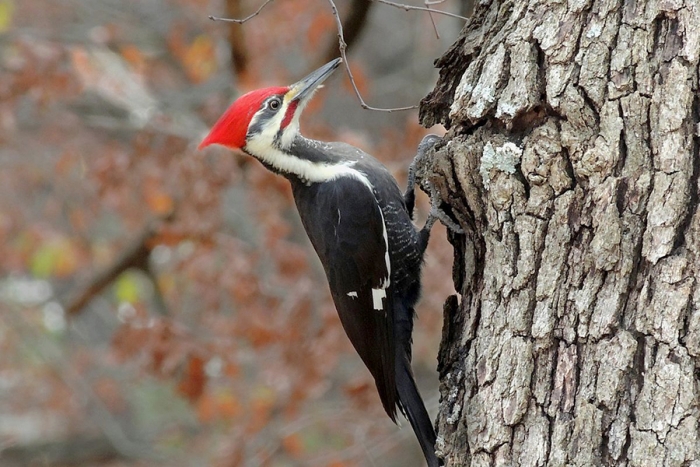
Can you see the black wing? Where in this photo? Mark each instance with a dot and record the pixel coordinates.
(346, 227)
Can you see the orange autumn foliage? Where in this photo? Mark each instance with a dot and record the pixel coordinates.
(222, 338)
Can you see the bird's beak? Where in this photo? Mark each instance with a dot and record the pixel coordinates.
(305, 88)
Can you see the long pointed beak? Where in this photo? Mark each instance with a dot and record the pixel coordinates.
(306, 87)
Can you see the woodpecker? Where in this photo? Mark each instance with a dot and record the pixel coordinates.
(360, 225)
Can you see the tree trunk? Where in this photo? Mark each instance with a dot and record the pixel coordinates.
(572, 163)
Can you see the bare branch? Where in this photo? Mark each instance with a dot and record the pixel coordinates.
(354, 23)
(432, 20)
(241, 21)
(135, 255)
(236, 39)
(342, 46)
(421, 8)
(76, 450)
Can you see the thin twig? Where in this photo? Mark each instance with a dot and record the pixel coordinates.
(420, 8)
(342, 47)
(353, 24)
(432, 20)
(241, 21)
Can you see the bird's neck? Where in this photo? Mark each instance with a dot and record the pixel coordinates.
(305, 159)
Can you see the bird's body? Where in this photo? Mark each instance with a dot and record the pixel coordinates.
(372, 277)
(360, 225)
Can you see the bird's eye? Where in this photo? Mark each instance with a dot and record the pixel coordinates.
(274, 104)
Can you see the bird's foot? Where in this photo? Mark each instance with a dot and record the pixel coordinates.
(436, 213)
(426, 144)
(424, 148)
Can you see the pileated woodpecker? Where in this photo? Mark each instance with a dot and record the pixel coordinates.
(359, 223)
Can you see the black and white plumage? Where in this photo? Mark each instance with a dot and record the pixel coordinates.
(359, 223)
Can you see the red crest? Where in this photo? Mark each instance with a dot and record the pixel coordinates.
(231, 128)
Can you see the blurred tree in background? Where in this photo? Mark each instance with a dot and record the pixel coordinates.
(161, 306)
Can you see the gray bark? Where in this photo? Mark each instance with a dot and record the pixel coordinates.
(572, 163)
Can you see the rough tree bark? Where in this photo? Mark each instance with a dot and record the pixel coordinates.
(572, 163)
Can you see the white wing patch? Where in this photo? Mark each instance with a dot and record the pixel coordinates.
(380, 293)
(377, 296)
(352, 294)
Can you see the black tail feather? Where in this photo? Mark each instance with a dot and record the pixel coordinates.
(414, 409)
(409, 399)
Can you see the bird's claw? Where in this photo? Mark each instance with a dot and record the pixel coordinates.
(438, 214)
(426, 144)
(435, 214)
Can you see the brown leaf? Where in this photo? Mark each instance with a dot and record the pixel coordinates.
(194, 379)
(293, 445)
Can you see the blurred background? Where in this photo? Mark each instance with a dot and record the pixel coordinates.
(160, 305)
